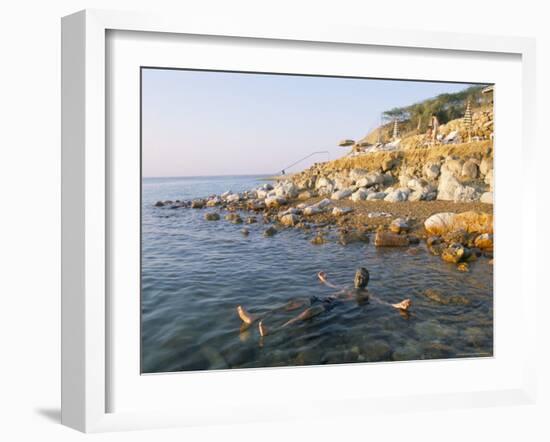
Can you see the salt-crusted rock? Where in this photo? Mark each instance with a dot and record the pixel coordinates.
(213, 202)
(323, 182)
(286, 189)
(342, 182)
(486, 198)
(197, 204)
(441, 223)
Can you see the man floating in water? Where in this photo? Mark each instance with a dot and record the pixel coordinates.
(315, 305)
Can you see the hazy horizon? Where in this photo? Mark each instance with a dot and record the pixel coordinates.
(204, 123)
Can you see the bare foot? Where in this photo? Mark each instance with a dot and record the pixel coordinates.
(262, 329)
(246, 317)
(403, 305)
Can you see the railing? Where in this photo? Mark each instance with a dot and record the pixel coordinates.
(283, 170)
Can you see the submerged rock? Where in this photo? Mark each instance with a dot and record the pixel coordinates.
(318, 239)
(270, 231)
(212, 216)
(455, 253)
(197, 204)
(159, 204)
(390, 239)
(484, 241)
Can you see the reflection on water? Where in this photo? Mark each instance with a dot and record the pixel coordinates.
(195, 272)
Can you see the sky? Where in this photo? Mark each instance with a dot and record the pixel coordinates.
(197, 123)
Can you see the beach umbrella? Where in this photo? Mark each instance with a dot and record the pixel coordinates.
(395, 130)
(468, 120)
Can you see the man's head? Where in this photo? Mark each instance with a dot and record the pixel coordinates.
(361, 278)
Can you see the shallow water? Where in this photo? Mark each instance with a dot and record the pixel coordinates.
(195, 273)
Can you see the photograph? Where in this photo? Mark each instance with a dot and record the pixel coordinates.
(292, 220)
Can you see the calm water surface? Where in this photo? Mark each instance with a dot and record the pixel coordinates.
(195, 272)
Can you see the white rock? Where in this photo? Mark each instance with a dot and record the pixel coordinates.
(312, 210)
(234, 197)
(323, 203)
(339, 211)
(274, 201)
(447, 186)
(323, 182)
(360, 195)
(431, 171)
(397, 195)
(357, 174)
(465, 194)
(487, 198)
(261, 193)
(341, 194)
(376, 196)
(453, 166)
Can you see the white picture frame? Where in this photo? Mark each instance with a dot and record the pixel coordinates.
(85, 211)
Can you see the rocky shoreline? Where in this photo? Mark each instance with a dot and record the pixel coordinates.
(443, 204)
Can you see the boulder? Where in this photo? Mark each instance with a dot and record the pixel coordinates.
(212, 202)
(286, 189)
(360, 195)
(357, 174)
(489, 179)
(274, 202)
(323, 203)
(159, 204)
(376, 196)
(197, 204)
(470, 170)
(324, 182)
(484, 241)
(340, 211)
(233, 198)
(305, 195)
(312, 210)
(465, 194)
(399, 225)
(486, 198)
(397, 195)
(341, 194)
(370, 179)
(431, 171)
(452, 165)
(448, 184)
(342, 182)
(390, 239)
(455, 253)
(486, 165)
(289, 220)
(471, 222)
(440, 223)
(389, 164)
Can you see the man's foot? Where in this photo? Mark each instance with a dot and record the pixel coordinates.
(403, 305)
(246, 317)
(262, 329)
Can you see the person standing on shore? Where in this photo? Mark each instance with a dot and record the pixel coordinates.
(435, 126)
